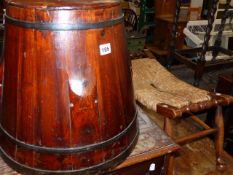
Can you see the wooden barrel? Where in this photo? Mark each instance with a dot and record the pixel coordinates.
(1, 9)
(67, 103)
(1, 26)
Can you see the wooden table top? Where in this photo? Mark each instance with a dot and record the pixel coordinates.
(152, 143)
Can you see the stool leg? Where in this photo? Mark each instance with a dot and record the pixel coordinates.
(169, 157)
(198, 73)
(219, 138)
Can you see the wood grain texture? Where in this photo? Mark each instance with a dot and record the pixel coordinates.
(165, 8)
(1, 38)
(59, 92)
(152, 146)
(1, 8)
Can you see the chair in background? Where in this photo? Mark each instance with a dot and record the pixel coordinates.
(130, 20)
(135, 39)
(196, 58)
(159, 90)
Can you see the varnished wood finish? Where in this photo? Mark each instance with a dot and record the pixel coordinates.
(1, 9)
(155, 154)
(200, 122)
(219, 138)
(170, 158)
(196, 136)
(153, 145)
(216, 99)
(164, 16)
(225, 85)
(162, 39)
(1, 28)
(59, 92)
(165, 8)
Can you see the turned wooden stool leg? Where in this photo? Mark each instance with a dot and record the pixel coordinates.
(219, 138)
(170, 157)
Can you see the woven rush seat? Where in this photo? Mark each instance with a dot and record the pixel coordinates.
(157, 88)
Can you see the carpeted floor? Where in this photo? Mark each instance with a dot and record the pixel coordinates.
(208, 81)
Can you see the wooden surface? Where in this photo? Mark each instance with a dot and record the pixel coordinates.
(1, 27)
(169, 19)
(164, 17)
(60, 92)
(163, 31)
(152, 143)
(1, 9)
(165, 7)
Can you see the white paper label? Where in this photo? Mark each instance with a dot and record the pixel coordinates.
(152, 167)
(105, 49)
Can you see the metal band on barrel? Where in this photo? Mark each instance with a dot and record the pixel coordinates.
(63, 26)
(85, 148)
(88, 170)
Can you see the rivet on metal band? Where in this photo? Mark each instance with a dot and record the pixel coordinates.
(63, 26)
(69, 150)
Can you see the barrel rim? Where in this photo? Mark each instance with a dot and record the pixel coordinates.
(63, 5)
(64, 26)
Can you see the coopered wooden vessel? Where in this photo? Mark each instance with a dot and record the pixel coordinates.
(67, 102)
(1, 26)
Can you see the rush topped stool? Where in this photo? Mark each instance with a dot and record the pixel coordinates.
(159, 90)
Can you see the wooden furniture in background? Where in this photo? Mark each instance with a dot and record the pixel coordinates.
(163, 30)
(146, 19)
(130, 20)
(164, 15)
(165, 7)
(159, 90)
(202, 63)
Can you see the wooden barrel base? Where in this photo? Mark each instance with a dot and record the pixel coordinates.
(97, 168)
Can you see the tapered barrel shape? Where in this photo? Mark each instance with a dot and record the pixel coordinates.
(67, 103)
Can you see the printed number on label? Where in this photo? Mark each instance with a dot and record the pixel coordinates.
(105, 49)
